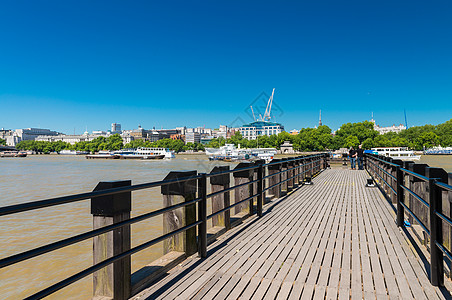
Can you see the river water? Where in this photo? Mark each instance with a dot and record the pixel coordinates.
(46, 176)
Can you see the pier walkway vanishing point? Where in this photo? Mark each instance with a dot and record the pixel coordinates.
(334, 239)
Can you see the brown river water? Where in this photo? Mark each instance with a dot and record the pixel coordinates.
(46, 176)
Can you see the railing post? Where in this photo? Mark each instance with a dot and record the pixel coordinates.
(218, 183)
(260, 187)
(243, 192)
(175, 193)
(112, 281)
(272, 180)
(202, 213)
(284, 176)
(290, 174)
(436, 226)
(296, 172)
(400, 196)
(419, 187)
(436, 256)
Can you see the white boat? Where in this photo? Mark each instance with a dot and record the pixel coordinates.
(397, 153)
(104, 154)
(159, 151)
(72, 152)
(229, 152)
(139, 153)
(438, 151)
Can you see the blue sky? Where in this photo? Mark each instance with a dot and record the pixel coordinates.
(65, 65)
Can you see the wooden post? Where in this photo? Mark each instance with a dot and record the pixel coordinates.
(284, 176)
(302, 170)
(296, 172)
(244, 191)
(274, 169)
(395, 183)
(408, 183)
(219, 183)
(112, 281)
(419, 187)
(436, 226)
(290, 174)
(202, 215)
(260, 187)
(175, 193)
(400, 192)
(449, 204)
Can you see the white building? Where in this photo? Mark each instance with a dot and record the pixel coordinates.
(27, 134)
(192, 137)
(383, 130)
(115, 128)
(71, 139)
(253, 130)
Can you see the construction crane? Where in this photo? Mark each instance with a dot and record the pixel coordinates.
(253, 113)
(267, 116)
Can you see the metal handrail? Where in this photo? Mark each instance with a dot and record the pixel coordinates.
(436, 218)
(13, 259)
(7, 210)
(18, 208)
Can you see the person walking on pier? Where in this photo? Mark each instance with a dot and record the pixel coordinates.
(352, 154)
(360, 154)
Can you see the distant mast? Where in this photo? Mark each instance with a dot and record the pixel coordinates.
(406, 123)
(320, 118)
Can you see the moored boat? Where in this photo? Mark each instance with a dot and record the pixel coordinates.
(401, 153)
(72, 152)
(229, 152)
(438, 151)
(139, 153)
(103, 154)
(13, 154)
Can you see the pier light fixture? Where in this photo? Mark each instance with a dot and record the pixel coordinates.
(370, 182)
(307, 180)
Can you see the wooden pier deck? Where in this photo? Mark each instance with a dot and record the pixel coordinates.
(333, 239)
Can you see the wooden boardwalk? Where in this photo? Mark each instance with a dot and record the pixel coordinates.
(334, 239)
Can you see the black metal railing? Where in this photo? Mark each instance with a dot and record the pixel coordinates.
(418, 190)
(114, 198)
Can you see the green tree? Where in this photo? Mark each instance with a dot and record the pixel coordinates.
(2, 142)
(361, 130)
(368, 143)
(427, 140)
(351, 141)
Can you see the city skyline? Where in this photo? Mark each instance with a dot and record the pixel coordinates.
(86, 65)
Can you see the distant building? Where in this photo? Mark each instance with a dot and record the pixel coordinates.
(206, 140)
(192, 137)
(139, 133)
(27, 134)
(115, 128)
(99, 132)
(71, 139)
(320, 118)
(286, 148)
(181, 130)
(166, 133)
(383, 130)
(177, 136)
(252, 130)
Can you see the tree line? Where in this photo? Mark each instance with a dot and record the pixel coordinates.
(308, 139)
(349, 135)
(113, 142)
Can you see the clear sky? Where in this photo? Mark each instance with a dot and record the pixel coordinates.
(65, 65)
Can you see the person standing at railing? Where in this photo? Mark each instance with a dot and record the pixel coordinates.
(360, 154)
(352, 155)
